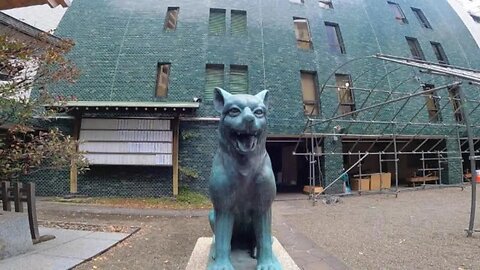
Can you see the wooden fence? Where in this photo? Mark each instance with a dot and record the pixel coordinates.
(19, 193)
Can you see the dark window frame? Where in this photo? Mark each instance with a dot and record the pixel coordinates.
(234, 31)
(302, 43)
(347, 93)
(315, 102)
(213, 31)
(163, 68)
(439, 52)
(453, 93)
(168, 20)
(398, 12)
(208, 93)
(339, 46)
(415, 48)
(432, 104)
(422, 19)
(239, 69)
(325, 4)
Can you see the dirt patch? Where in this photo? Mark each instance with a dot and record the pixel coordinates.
(418, 230)
(161, 242)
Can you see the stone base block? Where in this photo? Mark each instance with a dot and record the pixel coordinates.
(15, 235)
(241, 259)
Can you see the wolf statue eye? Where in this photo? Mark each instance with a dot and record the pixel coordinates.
(258, 112)
(233, 112)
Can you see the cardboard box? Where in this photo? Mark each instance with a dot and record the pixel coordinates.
(310, 189)
(386, 180)
(360, 184)
(375, 182)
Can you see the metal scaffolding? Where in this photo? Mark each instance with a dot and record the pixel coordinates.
(391, 138)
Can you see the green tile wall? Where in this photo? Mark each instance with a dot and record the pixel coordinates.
(118, 45)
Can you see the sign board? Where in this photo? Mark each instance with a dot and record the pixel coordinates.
(127, 141)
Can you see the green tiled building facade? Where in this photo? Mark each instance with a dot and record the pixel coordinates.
(248, 46)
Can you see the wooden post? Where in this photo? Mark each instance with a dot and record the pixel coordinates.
(5, 196)
(32, 211)
(17, 197)
(73, 178)
(73, 166)
(176, 134)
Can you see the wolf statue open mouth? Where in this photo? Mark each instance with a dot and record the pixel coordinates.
(245, 142)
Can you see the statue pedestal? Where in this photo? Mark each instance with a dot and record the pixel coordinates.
(241, 260)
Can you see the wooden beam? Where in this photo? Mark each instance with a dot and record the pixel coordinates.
(73, 166)
(176, 134)
(5, 196)
(17, 197)
(73, 178)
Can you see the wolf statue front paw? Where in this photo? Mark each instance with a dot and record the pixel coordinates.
(221, 265)
(269, 264)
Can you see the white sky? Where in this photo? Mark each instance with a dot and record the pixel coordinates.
(42, 17)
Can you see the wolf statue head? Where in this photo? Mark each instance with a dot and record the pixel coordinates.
(243, 122)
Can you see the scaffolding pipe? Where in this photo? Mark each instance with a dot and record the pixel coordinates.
(378, 153)
(396, 158)
(355, 121)
(389, 95)
(474, 76)
(471, 148)
(388, 102)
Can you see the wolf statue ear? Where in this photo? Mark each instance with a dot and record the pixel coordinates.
(219, 97)
(263, 96)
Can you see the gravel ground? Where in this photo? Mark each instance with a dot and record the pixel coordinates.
(417, 230)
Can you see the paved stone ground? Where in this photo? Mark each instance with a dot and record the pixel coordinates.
(417, 230)
(68, 249)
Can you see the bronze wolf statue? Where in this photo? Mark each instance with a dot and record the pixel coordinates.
(242, 184)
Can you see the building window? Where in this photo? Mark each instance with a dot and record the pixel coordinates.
(475, 18)
(433, 104)
(309, 92)
(302, 33)
(301, 2)
(415, 48)
(216, 22)
(334, 37)
(171, 18)
(454, 94)
(214, 77)
(325, 4)
(397, 10)
(439, 52)
(346, 99)
(238, 79)
(239, 23)
(163, 72)
(421, 17)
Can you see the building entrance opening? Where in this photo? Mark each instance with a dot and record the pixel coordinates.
(420, 161)
(291, 171)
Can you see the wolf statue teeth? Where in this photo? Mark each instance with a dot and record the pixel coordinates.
(242, 185)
